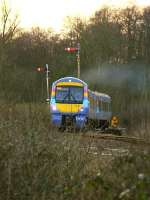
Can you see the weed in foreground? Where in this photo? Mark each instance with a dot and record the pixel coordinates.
(38, 162)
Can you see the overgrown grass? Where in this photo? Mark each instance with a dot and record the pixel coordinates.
(38, 162)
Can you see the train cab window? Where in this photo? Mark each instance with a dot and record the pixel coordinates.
(76, 94)
(69, 94)
(62, 94)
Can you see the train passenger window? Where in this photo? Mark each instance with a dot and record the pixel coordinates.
(99, 104)
(90, 98)
(92, 103)
(109, 107)
(95, 104)
(104, 106)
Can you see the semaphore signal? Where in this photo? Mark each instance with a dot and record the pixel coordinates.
(41, 69)
(72, 50)
(45, 69)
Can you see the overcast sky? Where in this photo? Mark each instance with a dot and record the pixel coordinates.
(51, 13)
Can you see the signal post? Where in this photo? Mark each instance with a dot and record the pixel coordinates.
(45, 69)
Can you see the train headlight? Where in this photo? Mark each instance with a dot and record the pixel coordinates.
(84, 106)
(53, 107)
(82, 109)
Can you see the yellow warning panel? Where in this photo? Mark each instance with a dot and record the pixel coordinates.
(114, 121)
(69, 108)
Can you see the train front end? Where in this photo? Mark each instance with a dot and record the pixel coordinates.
(69, 103)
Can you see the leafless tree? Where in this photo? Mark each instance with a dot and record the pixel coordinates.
(8, 24)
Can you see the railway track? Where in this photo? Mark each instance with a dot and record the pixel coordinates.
(127, 139)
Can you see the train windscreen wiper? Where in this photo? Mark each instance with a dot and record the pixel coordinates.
(71, 95)
(64, 99)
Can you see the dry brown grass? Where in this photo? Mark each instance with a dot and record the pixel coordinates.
(38, 162)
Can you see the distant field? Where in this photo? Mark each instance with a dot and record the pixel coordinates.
(38, 162)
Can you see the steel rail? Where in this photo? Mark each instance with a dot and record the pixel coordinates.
(127, 139)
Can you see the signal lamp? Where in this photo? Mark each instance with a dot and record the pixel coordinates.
(40, 69)
(71, 49)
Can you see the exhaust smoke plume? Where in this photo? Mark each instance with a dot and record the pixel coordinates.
(135, 76)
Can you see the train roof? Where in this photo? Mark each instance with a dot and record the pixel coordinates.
(102, 96)
(70, 79)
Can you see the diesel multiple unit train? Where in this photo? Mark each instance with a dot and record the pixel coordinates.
(73, 104)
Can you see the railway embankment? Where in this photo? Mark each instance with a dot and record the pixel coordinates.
(38, 162)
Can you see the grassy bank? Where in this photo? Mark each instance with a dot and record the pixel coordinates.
(38, 162)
